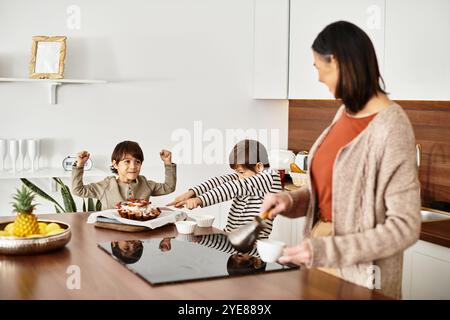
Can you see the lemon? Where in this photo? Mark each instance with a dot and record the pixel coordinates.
(10, 228)
(42, 227)
(53, 232)
(4, 234)
(35, 236)
(52, 226)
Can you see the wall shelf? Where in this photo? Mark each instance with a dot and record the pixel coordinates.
(53, 84)
(49, 173)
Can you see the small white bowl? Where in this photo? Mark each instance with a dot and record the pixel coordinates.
(270, 250)
(204, 221)
(185, 227)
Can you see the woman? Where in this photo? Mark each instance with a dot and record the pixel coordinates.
(362, 204)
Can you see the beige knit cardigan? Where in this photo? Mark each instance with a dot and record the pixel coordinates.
(375, 204)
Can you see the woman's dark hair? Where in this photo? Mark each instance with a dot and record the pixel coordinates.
(122, 149)
(359, 75)
(248, 153)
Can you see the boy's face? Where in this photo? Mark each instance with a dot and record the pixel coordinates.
(128, 168)
(127, 247)
(243, 172)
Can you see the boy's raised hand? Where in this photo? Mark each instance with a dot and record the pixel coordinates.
(82, 157)
(180, 200)
(166, 156)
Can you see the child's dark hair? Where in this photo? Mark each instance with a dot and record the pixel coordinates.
(248, 153)
(126, 147)
(240, 264)
(132, 257)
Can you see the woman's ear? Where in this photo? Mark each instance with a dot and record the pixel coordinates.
(334, 63)
(259, 167)
(114, 164)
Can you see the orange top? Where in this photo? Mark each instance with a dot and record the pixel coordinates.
(344, 130)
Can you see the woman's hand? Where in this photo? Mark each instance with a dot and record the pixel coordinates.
(82, 157)
(299, 254)
(166, 156)
(181, 198)
(277, 203)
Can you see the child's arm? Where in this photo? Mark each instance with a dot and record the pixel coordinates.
(92, 190)
(257, 185)
(214, 183)
(160, 189)
(194, 192)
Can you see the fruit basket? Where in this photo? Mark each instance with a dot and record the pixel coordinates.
(28, 235)
(37, 243)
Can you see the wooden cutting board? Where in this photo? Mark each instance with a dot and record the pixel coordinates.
(119, 226)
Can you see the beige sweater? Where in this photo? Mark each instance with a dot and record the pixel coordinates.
(376, 203)
(111, 191)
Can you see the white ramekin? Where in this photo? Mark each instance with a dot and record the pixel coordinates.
(185, 227)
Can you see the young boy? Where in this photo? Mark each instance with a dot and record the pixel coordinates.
(126, 160)
(252, 179)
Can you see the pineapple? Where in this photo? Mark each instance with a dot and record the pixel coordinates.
(26, 222)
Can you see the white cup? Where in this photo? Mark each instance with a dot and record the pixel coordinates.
(204, 220)
(270, 250)
(185, 227)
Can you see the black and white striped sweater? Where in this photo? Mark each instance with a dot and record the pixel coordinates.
(247, 195)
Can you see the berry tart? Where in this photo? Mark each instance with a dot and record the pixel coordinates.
(137, 209)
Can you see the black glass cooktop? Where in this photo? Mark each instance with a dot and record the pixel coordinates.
(186, 257)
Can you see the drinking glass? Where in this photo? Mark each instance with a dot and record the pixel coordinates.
(38, 152)
(13, 153)
(22, 153)
(32, 151)
(3, 149)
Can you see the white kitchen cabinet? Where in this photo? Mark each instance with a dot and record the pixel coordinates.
(307, 19)
(417, 47)
(426, 271)
(271, 49)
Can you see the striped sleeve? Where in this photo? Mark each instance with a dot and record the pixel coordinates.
(257, 185)
(220, 242)
(213, 183)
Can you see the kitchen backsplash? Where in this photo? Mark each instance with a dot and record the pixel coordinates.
(431, 123)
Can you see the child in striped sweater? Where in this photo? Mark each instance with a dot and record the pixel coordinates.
(253, 178)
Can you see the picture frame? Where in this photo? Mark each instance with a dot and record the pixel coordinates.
(48, 54)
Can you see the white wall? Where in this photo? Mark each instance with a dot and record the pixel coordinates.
(168, 63)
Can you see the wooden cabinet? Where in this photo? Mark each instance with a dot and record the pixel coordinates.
(307, 19)
(426, 272)
(271, 49)
(417, 46)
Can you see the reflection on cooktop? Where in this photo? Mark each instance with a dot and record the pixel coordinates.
(186, 257)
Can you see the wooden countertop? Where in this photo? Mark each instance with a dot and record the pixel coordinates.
(45, 276)
(437, 232)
